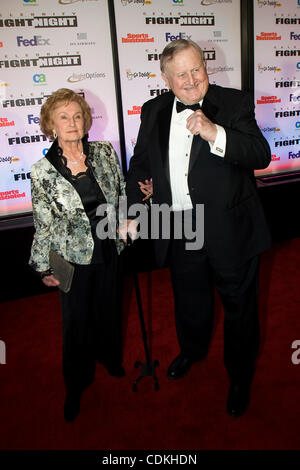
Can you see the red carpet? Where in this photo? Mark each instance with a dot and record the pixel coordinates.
(185, 414)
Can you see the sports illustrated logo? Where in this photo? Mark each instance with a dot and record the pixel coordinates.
(4, 122)
(35, 41)
(13, 194)
(275, 158)
(131, 75)
(137, 38)
(1, 44)
(43, 62)
(134, 110)
(2, 352)
(296, 345)
(268, 37)
(268, 99)
(267, 68)
(183, 20)
(40, 22)
(78, 77)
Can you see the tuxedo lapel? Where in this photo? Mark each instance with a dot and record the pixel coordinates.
(164, 123)
(162, 130)
(195, 150)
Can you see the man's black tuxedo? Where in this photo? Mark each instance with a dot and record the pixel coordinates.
(234, 223)
(235, 230)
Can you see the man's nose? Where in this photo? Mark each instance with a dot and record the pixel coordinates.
(190, 79)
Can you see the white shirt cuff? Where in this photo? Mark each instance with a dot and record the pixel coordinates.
(218, 147)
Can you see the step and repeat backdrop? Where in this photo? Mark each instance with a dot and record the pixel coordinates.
(67, 43)
(277, 80)
(144, 28)
(45, 46)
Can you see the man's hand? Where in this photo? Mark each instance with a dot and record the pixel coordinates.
(146, 188)
(128, 227)
(198, 124)
(50, 281)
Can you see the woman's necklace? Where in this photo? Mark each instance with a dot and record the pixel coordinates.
(74, 162)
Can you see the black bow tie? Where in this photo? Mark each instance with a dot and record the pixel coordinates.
(181, 107)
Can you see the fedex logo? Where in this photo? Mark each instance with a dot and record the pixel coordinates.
(35, 41)
(172, 37)
(33, 119)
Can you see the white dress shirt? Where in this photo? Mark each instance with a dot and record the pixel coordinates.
(180, 144)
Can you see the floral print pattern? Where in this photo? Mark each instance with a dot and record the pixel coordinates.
(59, 218)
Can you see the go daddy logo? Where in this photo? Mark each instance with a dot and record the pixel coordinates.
(131, 75)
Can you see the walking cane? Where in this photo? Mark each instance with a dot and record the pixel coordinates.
(148, 367)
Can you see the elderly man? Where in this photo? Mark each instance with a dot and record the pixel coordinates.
(200, 144)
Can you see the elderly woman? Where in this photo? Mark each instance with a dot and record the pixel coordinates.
(68, 185)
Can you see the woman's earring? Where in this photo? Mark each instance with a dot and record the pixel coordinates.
(54, 134)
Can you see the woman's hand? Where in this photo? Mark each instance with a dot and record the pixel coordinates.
(128, 229)
(50, 281)
(146, 188)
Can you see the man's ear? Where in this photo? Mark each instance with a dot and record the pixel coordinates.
(165, 79)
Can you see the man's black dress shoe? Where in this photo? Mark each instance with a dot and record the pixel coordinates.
(179, 367)
(72, 406)
(238, 400)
